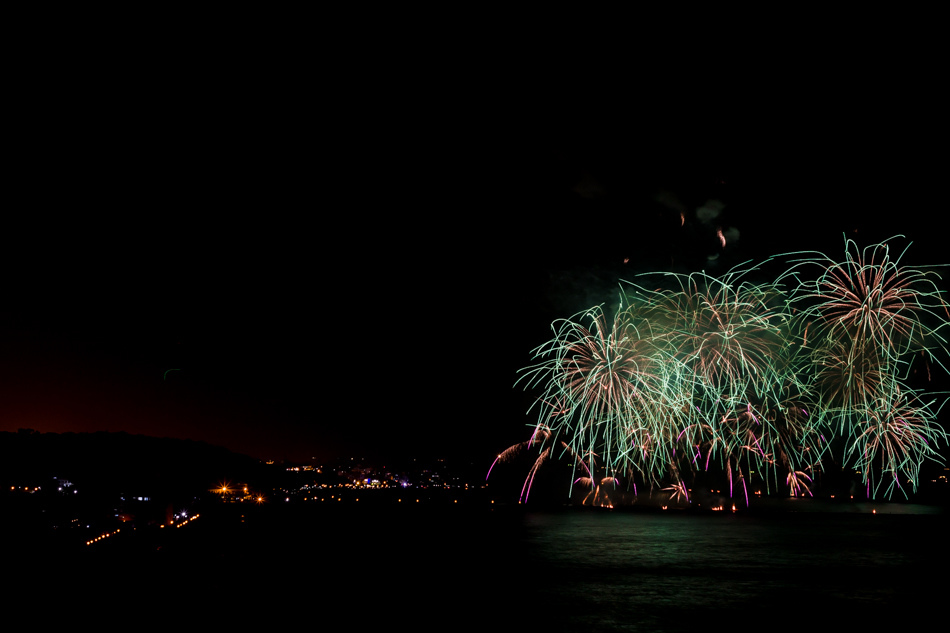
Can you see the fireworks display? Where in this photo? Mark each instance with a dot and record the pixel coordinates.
(770, 383)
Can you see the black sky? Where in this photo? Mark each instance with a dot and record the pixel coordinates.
(344, 258)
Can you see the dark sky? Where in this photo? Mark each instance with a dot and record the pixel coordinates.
(355, 259)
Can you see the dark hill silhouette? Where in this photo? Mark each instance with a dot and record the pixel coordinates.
(106, 462)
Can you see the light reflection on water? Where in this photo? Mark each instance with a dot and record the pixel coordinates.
(580, 570)
(659, 572)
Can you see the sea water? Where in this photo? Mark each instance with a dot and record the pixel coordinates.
(447, 569)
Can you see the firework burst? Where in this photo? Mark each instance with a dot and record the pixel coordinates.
(761, 380)
(893, 438)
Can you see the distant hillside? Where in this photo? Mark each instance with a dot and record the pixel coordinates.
(120, 461)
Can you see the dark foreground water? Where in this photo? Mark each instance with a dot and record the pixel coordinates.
(445, 568)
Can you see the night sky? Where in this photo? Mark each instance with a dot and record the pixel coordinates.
(300, 260)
